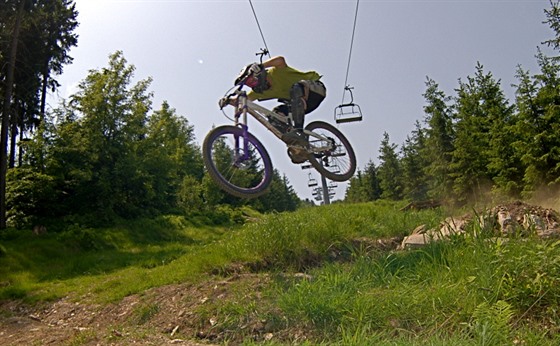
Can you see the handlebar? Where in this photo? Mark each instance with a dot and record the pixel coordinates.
(225, 101)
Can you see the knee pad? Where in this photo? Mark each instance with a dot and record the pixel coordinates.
(297, 91)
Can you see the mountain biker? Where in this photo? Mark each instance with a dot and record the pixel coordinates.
(274, 79)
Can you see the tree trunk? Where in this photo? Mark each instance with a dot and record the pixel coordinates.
(42, 111)
(44, 86)
(6, 114)
(13, 138)
(20, 149)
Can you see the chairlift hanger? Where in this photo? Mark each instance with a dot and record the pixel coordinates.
(348, 112)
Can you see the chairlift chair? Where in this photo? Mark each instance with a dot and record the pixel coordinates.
(312, 181)
(317, 192)
(348, 112)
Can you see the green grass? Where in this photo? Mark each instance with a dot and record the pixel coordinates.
(466, 291)
(123, 259)
(471, 291)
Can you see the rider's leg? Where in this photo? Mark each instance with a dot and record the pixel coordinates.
(297, 95)
(298, 100)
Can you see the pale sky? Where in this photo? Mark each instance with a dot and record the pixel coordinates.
(193, 50)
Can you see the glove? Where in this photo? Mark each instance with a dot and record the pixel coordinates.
(223, 102)
(255, 68)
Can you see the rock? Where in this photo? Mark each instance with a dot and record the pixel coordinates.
(413, 241)
(502, 219)
(533, 222)
(453, 226)
(420, 236)
(505, 221)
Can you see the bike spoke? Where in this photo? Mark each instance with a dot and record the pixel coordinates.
(333, 154)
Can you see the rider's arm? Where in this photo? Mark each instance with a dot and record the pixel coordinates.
(277, 61)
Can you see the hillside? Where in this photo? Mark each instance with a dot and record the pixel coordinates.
(330, 275)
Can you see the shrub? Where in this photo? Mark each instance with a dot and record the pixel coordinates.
(29, 196)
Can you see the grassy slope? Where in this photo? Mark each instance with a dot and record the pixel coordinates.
(467, 291)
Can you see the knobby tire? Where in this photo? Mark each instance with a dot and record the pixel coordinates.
(246, 179)
(338, 164)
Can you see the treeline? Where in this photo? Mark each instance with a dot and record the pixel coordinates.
(103, 153)
(35, 36)
(476, 142)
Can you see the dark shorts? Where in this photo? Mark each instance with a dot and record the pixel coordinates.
(317, 93)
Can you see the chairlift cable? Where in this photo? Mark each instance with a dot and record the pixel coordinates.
(350, 53)
(259, 26)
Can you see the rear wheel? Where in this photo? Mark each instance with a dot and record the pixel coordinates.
(333, 156)
(239, 165)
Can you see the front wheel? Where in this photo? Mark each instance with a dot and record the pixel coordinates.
(239, 164)
(332, 155)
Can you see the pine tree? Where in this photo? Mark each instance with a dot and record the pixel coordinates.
(553, 21)
(438, 142)
(415, 185)
(390, 170)
(364, 186)
(373, 188)
(539, 125)
(355, 191)
(481, 111)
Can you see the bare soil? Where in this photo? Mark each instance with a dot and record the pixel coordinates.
(179, 314)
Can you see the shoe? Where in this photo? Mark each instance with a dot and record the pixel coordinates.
(295, 137)
(297, 155)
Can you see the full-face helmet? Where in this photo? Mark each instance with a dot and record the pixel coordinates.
(254, 76)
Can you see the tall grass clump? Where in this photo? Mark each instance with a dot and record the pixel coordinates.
(390, 294)
(304, 238)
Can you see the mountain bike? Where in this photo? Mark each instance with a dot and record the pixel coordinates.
(240, 164)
